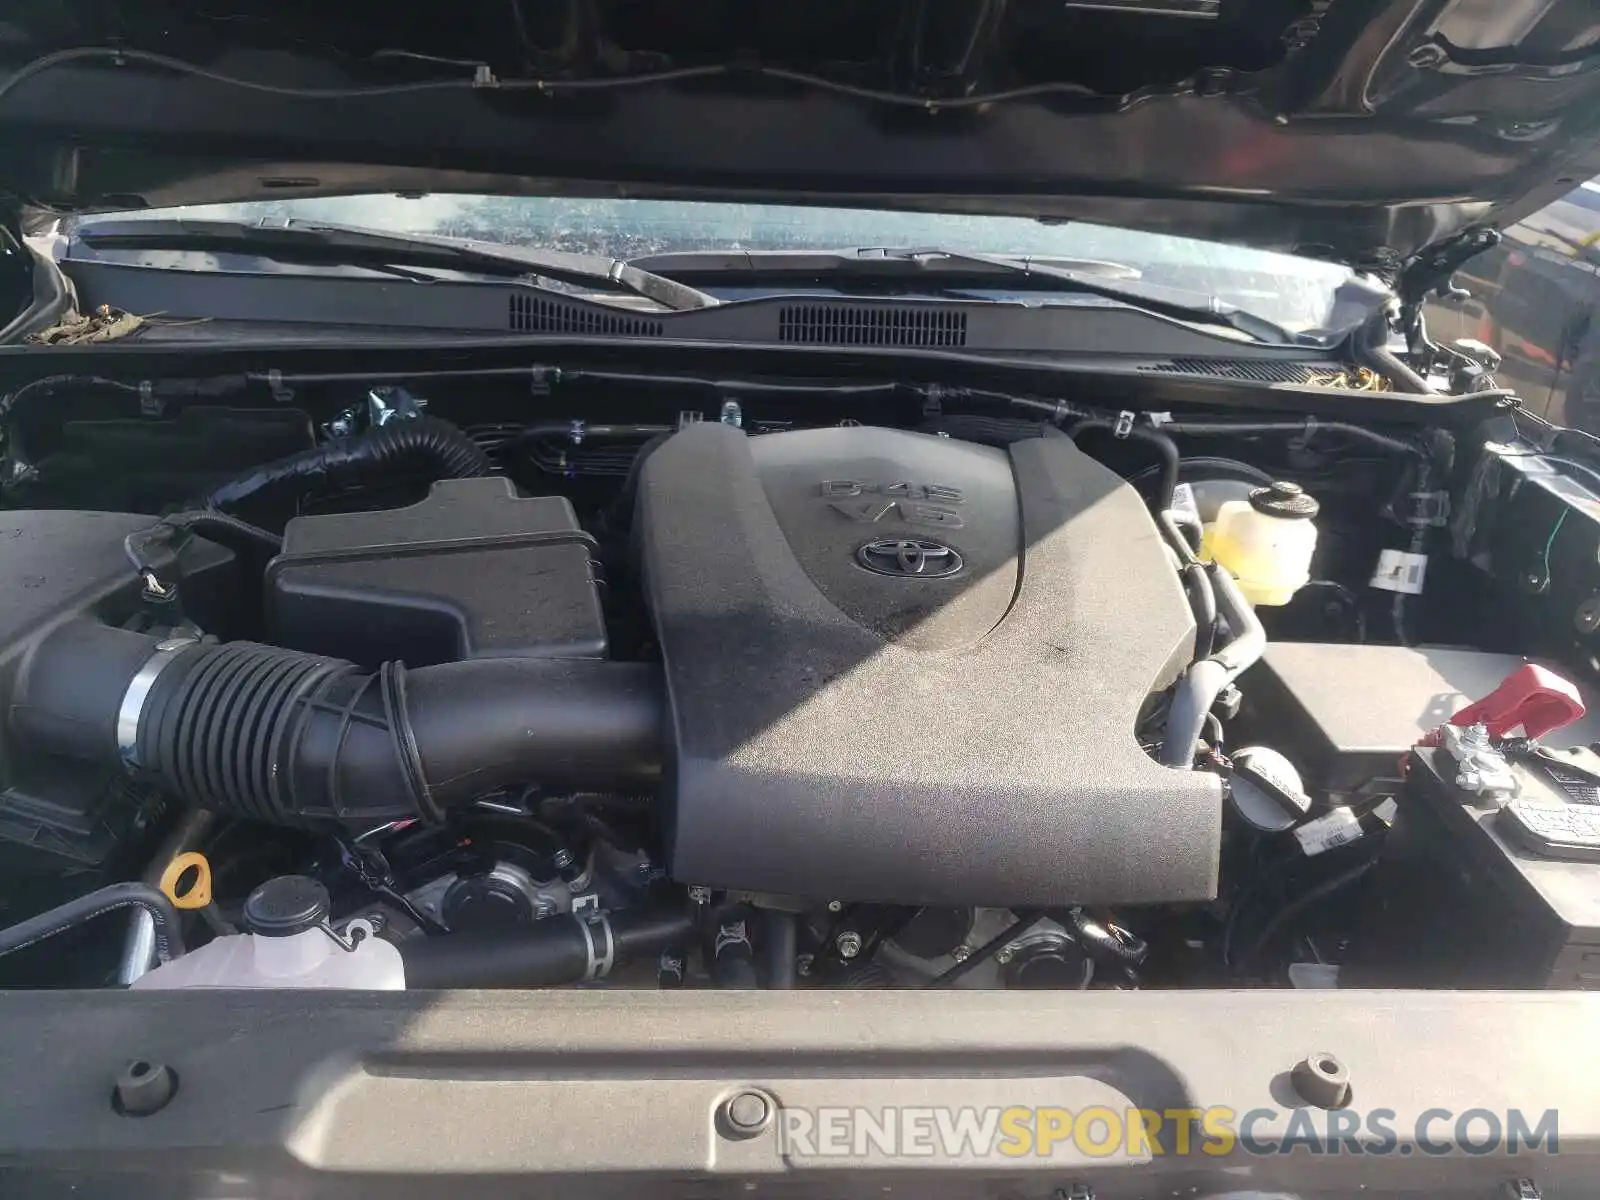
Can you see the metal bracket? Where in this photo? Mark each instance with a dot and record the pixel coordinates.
(281, 393)
(1432, 269)
(1429, 510)
(1301, 444)
(150, 404)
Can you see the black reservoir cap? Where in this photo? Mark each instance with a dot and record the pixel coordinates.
(1283, 499)
(285, 906)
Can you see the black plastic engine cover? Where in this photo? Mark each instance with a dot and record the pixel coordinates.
(906, 668)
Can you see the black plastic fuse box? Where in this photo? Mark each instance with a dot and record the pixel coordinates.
(472, 571)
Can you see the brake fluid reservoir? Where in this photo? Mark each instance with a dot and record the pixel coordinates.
(1266, 541)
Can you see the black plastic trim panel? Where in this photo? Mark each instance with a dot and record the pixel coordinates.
(1091, 328)
(584, 1094)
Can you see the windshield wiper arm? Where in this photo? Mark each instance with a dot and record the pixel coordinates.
(1167, 302)
(338, 245)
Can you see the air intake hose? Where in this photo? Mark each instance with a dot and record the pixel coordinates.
(419, 446)
(278, 735)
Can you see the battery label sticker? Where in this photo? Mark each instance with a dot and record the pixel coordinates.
(1338, 828)
(1183, 501)
(1400, 571)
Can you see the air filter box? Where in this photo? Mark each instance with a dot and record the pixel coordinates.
(473, 571)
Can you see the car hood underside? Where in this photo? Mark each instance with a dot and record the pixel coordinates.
(1361, 130)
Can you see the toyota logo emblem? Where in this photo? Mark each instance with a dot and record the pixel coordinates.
(912, 558)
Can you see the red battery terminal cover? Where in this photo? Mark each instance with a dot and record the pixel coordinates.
(1530, 702)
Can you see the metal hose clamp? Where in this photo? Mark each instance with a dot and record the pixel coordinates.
(138, 693)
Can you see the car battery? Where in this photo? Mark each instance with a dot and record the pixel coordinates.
(1476, 894)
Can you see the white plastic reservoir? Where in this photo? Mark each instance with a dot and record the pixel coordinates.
(1267, 541)
(289, 946)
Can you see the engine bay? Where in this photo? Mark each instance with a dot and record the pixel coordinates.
(426, 682)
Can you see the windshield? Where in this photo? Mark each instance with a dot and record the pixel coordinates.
(1296, 293)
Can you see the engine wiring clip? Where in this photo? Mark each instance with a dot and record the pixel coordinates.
(1124, 426)
(155, 590)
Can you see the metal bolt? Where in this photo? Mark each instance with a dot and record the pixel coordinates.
(143, 1087)
(835, 906)
(848, 944)
(961, 953)
(1007, 953)
(802, 964)
(699, 895)
(746, 1114)
(1587, 618)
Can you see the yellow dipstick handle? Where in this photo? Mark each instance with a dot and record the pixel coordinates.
(196, 894)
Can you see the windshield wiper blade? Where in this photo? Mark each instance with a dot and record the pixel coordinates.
(942, 268)
(338, 245)
(1168, 302)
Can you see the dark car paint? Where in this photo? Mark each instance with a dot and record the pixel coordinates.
(1534, 299)
(1362, 130)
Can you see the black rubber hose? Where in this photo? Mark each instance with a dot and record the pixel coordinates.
(621, 512)
(732, 953)
(555, 950)
(1107, 941)
(225, 529)
(780, 947)
(1157, 440)
(1203, 682)
(1249, 640)
(1203, 602)
(1298, 905)
(147, 549)
(1420, 531)
(297, 739)
(419, 446)
(1359, 433)
(1205, 468)
(169, 938)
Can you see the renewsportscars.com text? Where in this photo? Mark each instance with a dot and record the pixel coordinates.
(1021, 1132)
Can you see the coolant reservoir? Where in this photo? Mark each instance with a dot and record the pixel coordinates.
(289, 946)
(1266, 541)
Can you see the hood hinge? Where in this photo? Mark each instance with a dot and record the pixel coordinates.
(1430, 271)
